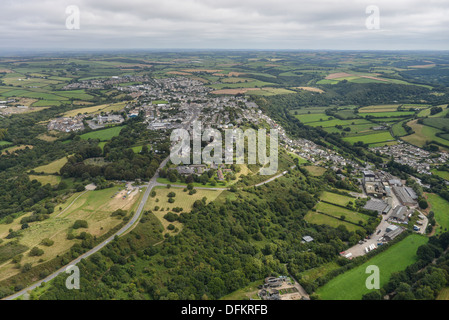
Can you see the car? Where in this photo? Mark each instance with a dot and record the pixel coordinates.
(379, 231)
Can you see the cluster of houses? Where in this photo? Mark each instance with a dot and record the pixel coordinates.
(104, 83)
(100, 121)
(382, 184)
(66, 124)
(383, 187)
(280, 288)
(199, 169)
(11, 106)
(269, 290)
(415, 157)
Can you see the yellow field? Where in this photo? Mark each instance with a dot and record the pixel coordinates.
(315, 171)
(182, 200)
(53, 180)
(311, 89)
(14, 149)
(93, 206)
(53, 167)
(46, 137)
(96, 109)
(444, 294)
(379, 108)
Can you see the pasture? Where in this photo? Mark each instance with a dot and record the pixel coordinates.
(442, 174)
(423, 134)
(104, 134)
(53, 167)
(351, 284)
(95, 207)
(441, 209)
(320, 219)
(387, 114)
(338, 212)
(313, 117)
(46, 179)
(336, 198)
(373, 138)
(315, 171)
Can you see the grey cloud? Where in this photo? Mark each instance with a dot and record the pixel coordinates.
(262, 24)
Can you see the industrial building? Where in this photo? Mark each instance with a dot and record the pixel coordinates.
(399, 214)
(392, 232)
(405, 195)
(378, 205)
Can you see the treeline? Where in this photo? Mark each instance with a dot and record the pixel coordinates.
(223, 247)
(422, 280)
(120, 161)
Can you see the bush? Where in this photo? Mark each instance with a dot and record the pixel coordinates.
(171, 217)
(36, 252)
(80, 224)
(26, 267)
(119, 213)
(47, 242)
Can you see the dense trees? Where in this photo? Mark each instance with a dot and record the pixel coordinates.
(424, 279)
(222, 247)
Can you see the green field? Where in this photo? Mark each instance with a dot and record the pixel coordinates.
(398, 129)
(379, 108)
(103, 135)
(337, 212)
(45, 179)
(300, 160)
(439, 123)
(441, 209)
(371, 138)
(320, 219)
(52, 168)
(249, 84)
(315, 171)
(336, 198)
(318, 272)
(387, 114)
(444, 294)
(442, 174)
(246, 293)
(313, 117)
(334, 122)
(351, 284)
(424, 134)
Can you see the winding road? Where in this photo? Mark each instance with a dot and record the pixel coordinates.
(152, 183)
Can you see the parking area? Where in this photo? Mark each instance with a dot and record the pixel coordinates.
(377, 238)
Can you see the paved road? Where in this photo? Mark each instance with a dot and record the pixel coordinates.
(152, 183)
(130, 223)
(359, 249)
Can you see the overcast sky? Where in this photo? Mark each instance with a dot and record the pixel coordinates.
(225, 24)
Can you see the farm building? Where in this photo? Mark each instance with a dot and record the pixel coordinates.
(392, 232)
(372, 183)
(377, 205)
(399, 214)
(307, 239)
(273, 282)
(406, 195)
(375, 189)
